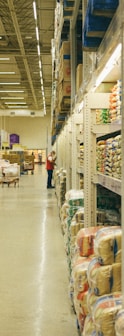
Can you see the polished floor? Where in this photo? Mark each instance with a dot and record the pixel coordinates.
(34, 298)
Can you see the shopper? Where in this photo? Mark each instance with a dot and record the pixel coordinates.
(50, 164)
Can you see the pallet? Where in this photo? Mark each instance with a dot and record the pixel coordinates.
(10, 180)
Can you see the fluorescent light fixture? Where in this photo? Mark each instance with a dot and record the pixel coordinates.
(40, 73)
(22, 103)
(109, 65)
(37, 34)
(18, 106)
(40, 65)
(35, 10)
(1, 37)
(41, 81)
(28, 37)
(6, 83)
(11, 97)
(17, 91)
(38, 49)
(7, 72)
(4, 58)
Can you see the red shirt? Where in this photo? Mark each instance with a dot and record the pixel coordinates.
(49, 163)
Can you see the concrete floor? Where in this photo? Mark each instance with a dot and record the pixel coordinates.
(34, 297)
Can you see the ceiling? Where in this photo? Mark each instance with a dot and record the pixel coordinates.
(31, 73)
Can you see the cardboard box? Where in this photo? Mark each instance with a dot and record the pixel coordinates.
(79, 76)
(65, 71)
(65, 48)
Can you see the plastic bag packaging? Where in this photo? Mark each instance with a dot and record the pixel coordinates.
(104, 313)
(88, 326)
(75, 197)
(12, 170)
(79, 275)
(91, 299)
(85, 241)
(107, 245)
(119, 323)
(104, 279)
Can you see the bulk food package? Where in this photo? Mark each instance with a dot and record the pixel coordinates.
(97, 279)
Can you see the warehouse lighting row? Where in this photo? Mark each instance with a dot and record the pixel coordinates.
(109, 66)
(38, 50)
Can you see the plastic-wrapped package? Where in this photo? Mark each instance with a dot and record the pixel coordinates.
(80, 276)
(75, 197)
(104, 313)
(88, 326)
(104, 279)
(85, 241)
(91, 299)
(107, 245)
(119, 323)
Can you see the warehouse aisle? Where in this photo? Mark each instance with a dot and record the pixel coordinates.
(33, 272)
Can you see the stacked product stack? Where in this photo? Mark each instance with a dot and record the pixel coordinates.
(115, 102)
(104, 279)
(77, 223)
(119, 323)
(64, 87)
(75, 200)
(100, 155)
(84, 250)
(102, 116)
(81, 155)
(109, 156)
(113, 157)
(60, 184)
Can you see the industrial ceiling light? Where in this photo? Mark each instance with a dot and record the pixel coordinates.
(8, 83)
(7, 72)
(11, 97)
(13, 91)
(35, 11)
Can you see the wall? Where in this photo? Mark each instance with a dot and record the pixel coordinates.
(34, 132)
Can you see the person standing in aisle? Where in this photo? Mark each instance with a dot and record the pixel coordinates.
(50, 164)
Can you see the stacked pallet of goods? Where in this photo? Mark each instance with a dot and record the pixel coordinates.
(71, 223)
(96, 280)
(60, 184)
(64, 87)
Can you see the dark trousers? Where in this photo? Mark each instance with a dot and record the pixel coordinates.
(49, 179)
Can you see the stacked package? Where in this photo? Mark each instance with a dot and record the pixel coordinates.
(84, 250)
(75, 200)
(102, 116)
(115, 102)
(100, 155)
(60, 184)
(113, 157)
(76, 224)
(104, 280)
(109, 156)
(81, 155)
(64, 80)
(119, 323)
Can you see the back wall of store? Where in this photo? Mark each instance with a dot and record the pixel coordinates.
(33, 132)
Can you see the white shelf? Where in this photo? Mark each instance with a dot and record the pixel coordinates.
(108, 182)
(102, 129)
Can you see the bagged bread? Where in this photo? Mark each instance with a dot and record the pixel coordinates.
(88, 326)
(107, 245)
(104, 313)
(119, 323)
(99, 277)
(85, 241)
(91, 299)
(104, 279)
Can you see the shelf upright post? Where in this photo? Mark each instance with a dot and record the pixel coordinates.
(68, 155)
(87, 162)
(122, 133)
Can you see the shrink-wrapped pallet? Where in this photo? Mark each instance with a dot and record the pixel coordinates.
(119, 323)
(88, 326)
(80, 275)
(104, 279)
(85, 241)
(75, 197)
(104, 313)
(107, 245)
